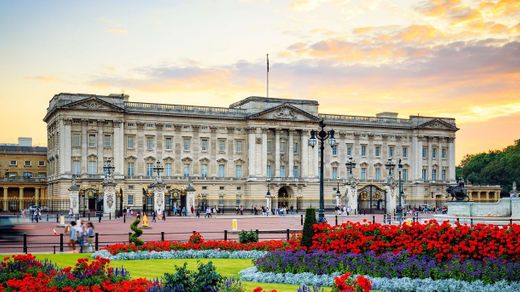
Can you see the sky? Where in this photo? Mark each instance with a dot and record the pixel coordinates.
(449, 58)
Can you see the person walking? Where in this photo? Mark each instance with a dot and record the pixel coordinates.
(90, 236)
(70, 229)
(154, 216)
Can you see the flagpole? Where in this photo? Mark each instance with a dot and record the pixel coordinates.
(267, 75)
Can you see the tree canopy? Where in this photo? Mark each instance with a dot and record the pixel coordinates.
(499, 167)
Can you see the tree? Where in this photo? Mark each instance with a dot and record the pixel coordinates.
(499, 167)
(308, 227)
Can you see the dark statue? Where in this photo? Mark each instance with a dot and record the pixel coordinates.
(458, 192)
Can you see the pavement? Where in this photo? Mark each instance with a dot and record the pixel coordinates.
(44, 237)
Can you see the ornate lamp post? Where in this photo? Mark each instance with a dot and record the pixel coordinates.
(338, 194)
(157, 169)
(390, 165)
(322, 136)
(108, 170)
(268, 197)
(350, 165)
(400, 182)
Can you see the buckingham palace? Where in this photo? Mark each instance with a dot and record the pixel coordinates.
(233, 156)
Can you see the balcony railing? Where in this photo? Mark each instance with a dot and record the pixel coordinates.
(22, 179)
(178, 108)
(366, 120)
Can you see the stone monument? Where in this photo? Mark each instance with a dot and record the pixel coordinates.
(74, 196)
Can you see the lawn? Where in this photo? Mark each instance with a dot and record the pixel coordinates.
(152, 269)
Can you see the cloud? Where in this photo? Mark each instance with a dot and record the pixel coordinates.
(113, 27)
(45, 78)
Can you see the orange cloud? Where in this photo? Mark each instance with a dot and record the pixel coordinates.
(420, 33)
(45, 78)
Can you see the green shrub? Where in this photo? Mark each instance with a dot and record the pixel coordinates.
(137, 232)
(247, 236)
(205, 279)
(308, 230)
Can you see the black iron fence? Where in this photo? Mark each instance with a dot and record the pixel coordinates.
(38, 243)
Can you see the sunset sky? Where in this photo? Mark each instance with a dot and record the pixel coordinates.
(450, 58)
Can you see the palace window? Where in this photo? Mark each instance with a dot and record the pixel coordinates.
(349, 150)
(282, 146)
(377, 173)
(13, 163)
(443, 153)
(434, 153)
(222, 145)
(204, 170)
(434, 174)
(282, 171)
(186, 170)
(443, 174)
(41, 163)
(377, 151)
(335, 150)
(405, 174)
(27, 174)
(168, 143)
(334, 173)
(363, 150)
(424, 174)
(269, 171)
(221, 170)
(76, 140)
(238, 146)
(92, 167)
(269, 146)
(186, 142)
(405, 152)
(296, 171)
(92, 140)
(130, 142)
(107, 141)
(168, 169)
(363, 173)
(130, 169)
(425, 152)
(149, 169)
(238, 171)
(27, 163)
(76, 167)
(296, 148)
(390, 151)
(204, 145)
(150, 142)
(130, 199)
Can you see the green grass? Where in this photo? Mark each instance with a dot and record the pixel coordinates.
(152, 269)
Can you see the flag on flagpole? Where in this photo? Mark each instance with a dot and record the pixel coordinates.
(267, 62)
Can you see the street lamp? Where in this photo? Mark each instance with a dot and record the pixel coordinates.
(350, 165)
(268, 198)
(400, 206)
(108, 169)
(322, 136)
(157, 169)
(338, 194)
(390, 165)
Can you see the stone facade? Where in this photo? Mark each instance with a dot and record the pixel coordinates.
(233, 154)
(22, 177)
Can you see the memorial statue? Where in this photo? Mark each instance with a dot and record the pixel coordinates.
(458, 192)
(514, 192)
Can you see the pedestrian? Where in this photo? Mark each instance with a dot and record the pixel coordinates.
(71, 212)
(184, 211)
(73, 235)
(197, 212)
(208, 212)
(90, 236)
(100, 216)
(154, 215)
(164, 215)
(138, 215)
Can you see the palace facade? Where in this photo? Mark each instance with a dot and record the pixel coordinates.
(234, 155)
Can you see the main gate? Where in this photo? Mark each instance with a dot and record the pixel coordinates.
(371, 199)
(90, 200)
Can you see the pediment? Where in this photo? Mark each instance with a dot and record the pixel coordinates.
(285, 112)
(94, 104)
(437, 124)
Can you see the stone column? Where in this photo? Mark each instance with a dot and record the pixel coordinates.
(158, 197)
(264, 152)
(316, 161)
(251, 151)
(304, 154)
(109, 198)
(418, 160)
(100, 160)
(74, 198)
(21, 198)
(5, 199)
(277, 153)
(118, 148)
(429, 159)
(291, 154)
(451, 160)
(37, 196)
(84, 146)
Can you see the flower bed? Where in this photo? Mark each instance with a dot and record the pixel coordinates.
(181, 254)
(268, 245)
(389, 265)
(384, 284)
(438, 240)
(25, 273)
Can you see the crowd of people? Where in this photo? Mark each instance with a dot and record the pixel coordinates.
(80, 236)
